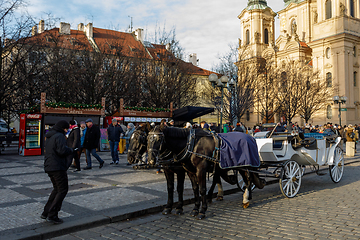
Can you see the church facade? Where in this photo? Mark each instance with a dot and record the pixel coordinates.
(321, 33)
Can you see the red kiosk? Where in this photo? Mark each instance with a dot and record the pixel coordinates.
(33, 127)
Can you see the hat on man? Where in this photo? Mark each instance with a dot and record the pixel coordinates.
(114, 120)
(88, 120)
(62, 124)
(73, 122)
(171, 121)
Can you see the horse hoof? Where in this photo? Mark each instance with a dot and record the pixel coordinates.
(219, 198)
(200, 216)
(179, 212)
(166, 211)
(194, 213)
(246, 205)
(209, 200)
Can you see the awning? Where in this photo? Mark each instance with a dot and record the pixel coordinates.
(188, 113)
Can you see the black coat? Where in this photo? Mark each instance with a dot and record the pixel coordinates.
(73, 140)
(92, 137)
(114, 133)
(56, 151)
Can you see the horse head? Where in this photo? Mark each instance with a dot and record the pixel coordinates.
(138, 143)
(155, 140)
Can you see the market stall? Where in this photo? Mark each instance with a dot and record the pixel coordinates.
(34, 125)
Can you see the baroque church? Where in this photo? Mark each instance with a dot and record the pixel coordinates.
(322, 33)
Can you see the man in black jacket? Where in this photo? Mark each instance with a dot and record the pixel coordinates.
(114, 132)
(73, 141)
(91, 142)
(55, 166)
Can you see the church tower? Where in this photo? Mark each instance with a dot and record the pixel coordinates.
(257, 27)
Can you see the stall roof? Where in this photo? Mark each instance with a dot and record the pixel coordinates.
(189, 112)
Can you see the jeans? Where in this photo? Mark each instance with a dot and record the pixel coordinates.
(114, 150)
(93, 152)
(59, 180)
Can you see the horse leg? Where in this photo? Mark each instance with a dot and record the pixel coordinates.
(247, 196)
(180, 190)
(195, 187)
(170, 189)
(220, 194)
(201, 176)
(211, 191)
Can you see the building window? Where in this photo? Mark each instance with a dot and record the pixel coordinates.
(329, 79)
(352, 8)
(248, 115)
(329, 112)
(354, 51)
(293, 27)
(328, 53)
(355, 76)
(247, 37)
(328, 9)
(266, 36)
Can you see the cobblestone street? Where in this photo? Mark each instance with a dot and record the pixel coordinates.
(321, 210)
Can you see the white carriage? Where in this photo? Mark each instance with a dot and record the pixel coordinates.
(289, 153)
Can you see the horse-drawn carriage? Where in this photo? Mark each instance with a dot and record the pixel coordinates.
(276, 155)
(288, 154)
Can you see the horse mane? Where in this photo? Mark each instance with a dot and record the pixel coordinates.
(175, 132)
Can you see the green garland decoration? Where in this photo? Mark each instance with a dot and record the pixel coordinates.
(33, 109)
(73, 105)
(147, 109)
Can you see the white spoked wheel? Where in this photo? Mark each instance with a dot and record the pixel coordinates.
(291, 180)
(337, 170)
(241, 184)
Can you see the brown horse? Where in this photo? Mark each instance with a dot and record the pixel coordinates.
(138, 147)
(180, 142)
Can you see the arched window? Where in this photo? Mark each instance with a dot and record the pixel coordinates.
(352, 8)
(328, 9)
(329, 112)
(247, 37)
(354, 51)
(329, 79)
(328, 53)
(248, 115)
(266, 36)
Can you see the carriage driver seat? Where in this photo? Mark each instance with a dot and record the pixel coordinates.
(309, 143)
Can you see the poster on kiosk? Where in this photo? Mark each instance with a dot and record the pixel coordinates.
(30, 134)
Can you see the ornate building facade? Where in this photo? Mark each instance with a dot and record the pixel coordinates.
(321, 33)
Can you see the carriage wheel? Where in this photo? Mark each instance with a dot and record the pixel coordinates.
(241, 183)
(337, 171)
(291, 179)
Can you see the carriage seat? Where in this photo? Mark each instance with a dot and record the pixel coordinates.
(309, 143)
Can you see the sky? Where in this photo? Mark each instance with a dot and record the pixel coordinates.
(204, 27)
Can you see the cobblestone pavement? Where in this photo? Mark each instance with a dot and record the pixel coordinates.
(321, 210)
(95, 196)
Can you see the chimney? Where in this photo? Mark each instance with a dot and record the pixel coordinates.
(34, 30)
(139, 33)
(41, 26)
(80, 27)
(193, 59)
(89, 30)
(64, 28)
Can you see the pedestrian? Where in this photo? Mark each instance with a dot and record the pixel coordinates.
(129, 132)
(114, 133)
(91, 142)
(74, 142)
(238, 128)
(56, 164)
(82, 139)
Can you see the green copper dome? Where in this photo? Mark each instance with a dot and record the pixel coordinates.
(287, 2)
(256, 4)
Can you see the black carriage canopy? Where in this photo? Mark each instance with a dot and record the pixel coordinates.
(188, 113)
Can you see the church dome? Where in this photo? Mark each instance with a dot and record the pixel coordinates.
(256, 4)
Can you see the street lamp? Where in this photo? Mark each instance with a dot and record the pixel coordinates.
(339, 100)
(221, 83)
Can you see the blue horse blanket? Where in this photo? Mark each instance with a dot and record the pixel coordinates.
(238, 149)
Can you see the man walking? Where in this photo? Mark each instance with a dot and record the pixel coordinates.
(114, 132)
(91, 142)
(55, 166)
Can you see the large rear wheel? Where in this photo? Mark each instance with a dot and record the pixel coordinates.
(241, 183)
(337, 170)
(290, 181)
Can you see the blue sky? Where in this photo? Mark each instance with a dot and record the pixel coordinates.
(204, 27)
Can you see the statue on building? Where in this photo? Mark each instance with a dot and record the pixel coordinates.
(342, 9)
(315, 17)
(257, 37)
(293, 27)
(239, 43)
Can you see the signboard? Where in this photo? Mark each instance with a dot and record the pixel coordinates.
(343, 109)
(104, 142)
